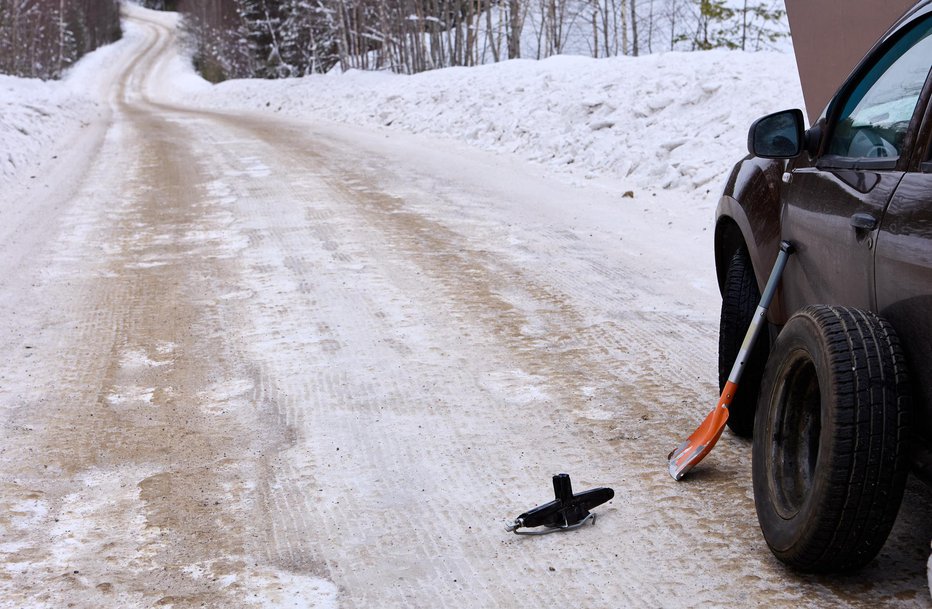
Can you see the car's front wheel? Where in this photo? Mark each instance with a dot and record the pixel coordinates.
(830, 440)
(740, 298)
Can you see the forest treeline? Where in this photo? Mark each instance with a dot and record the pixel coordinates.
(282, 38)
(40, 38)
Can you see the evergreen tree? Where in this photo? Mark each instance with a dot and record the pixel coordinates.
(716, 27)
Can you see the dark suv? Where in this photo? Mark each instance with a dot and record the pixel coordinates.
(838, 397)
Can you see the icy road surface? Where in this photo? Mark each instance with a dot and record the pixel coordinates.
(258, 363)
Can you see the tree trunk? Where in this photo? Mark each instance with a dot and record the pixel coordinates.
(634, 28)
(515, 25)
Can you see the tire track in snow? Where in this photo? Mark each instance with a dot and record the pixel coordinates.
(639, 597)
(136, 440)
(364, 389)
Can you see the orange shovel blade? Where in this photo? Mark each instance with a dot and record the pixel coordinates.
(698, 445)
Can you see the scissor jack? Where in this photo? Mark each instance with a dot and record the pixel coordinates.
(566, 512)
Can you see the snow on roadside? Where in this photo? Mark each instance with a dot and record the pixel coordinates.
(665, 121)
(33, 115)
(671, 120)
(38, 117)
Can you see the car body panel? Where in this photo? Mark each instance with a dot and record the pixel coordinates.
(834, 260)
(757, 181)
(903, 267)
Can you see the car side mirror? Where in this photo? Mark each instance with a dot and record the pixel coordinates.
(777, 136)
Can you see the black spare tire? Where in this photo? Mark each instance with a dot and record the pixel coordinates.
(830, 440)
(740, 298)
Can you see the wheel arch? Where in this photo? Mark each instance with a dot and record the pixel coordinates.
(729, 238)
(749, 214)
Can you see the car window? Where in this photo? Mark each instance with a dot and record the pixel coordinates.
(877, 113)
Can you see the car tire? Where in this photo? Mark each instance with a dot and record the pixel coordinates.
(830, 442)
(740, 298)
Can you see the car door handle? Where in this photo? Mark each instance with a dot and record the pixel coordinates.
(862, 221)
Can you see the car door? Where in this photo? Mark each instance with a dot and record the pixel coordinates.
(903, 270)
(833, 204)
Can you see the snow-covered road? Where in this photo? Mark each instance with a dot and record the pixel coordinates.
(255, 361)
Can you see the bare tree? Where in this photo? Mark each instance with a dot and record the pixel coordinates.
(274, 38)
(634, 28)
(41, 38)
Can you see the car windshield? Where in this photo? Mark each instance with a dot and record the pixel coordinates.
(876, 115)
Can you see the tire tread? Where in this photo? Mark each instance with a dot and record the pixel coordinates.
(868, 465)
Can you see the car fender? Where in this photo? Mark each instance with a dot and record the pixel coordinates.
(748, 213)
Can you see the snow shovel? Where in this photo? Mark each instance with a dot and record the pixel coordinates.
(698, 445)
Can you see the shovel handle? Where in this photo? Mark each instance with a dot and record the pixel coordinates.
(786, 248)
(760, 315)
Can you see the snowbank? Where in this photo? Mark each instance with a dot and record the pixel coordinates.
(33, 115)
(663, 121)
(37, 117)
(673, 120)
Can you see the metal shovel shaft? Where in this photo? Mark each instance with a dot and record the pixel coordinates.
(698, 445)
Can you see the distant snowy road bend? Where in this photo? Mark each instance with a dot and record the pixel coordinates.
(260, 363)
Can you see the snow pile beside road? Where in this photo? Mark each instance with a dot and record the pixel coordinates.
(37, 116)
(672, 120)
(33, 116)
